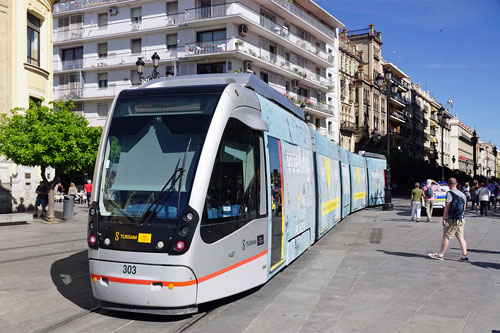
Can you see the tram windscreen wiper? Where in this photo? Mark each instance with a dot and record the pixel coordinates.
(166, 191)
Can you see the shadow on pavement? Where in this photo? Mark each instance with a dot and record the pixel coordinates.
(483, 264)
(477, 251)
(405, 254)
(72, 278)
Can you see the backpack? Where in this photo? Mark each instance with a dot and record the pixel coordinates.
(428, 192)
(457, 205)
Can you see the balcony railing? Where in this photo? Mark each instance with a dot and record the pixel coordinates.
(348, 126)
(72, 64)
(309, 103)
(114, 59)
(207, 47)
(68, 93)
(398, 115)
(306, 17)
(66, 5)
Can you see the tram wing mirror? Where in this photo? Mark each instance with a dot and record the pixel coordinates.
(250, 117)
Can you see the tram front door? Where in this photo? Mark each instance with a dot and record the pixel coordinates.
(277, 203)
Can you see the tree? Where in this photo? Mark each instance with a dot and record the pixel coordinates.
(45, 136)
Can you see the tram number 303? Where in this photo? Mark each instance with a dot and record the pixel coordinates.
(129, 269)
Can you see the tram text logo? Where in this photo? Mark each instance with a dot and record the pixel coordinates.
(245, 244)
(119, 236)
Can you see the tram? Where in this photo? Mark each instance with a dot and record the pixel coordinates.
(207, 186)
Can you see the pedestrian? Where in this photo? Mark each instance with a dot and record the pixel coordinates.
(72, 190)
(430, 187)
(475, 195)
(88, 189)
(42, 198)
(484, 198)
(453, 221)
(417, 198)
(492, 201)
(466, 190)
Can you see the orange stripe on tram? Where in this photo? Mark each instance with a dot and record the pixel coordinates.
(181, 283)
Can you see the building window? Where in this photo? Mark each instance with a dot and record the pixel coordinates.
(169, 71)
(102, 110)
(136, 15)
(318, 123)
(172, 8)
(102, 20)
(171, 42)
(102, 79)
(207, 36)
(33, 40)
(218, 67)
(35, 100)
(72, 58)
(136, 45)
(70, 22)
(134, 78)
(264, 77)
(102, 50)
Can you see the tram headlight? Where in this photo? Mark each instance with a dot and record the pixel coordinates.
(188, 216)
(184, 231)
(179, 246)
(160, 245)
(92, 239)
(107, 241)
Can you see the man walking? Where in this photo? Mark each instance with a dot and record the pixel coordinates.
(453, 221)
(429, 188)
(417, 197)
(484, 198)
(42, 198)
(88, 190)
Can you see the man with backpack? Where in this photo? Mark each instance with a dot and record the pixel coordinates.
(453, 221)
(429, 188)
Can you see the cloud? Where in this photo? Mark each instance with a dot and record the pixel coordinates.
(458, 66)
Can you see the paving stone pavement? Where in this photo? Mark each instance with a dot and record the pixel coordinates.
(370, 273)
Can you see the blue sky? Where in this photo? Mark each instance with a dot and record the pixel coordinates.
(451, 47)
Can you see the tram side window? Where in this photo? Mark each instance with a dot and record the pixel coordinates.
(234, 191)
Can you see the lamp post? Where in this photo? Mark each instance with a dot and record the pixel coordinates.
(390, 87)
(442, 123)
(140, 68)
(495, 153)
(474, 147)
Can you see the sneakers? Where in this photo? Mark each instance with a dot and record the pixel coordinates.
(429, 219)
(35, 215)
(436, 255)
(464, 259)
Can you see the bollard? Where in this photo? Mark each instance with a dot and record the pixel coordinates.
(68, 207)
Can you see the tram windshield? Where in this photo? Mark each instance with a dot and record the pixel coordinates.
(150, 140)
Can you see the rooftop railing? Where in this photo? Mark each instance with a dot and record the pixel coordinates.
(64, 6)
(306, 17)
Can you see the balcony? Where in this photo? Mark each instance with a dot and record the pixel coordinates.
(64, 6)
(215, 46)
(91, 92)
(113, 59)
(306, 17)
(310, 103)
(398, 100)
(348, 126)
(116, 28)
(398, 116)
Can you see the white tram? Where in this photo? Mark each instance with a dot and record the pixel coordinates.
(207, 186)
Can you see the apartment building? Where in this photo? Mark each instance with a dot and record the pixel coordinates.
(421, 112)
(293, 46)
(400, 122)
(26, 54)
(349, 72)
(486, 160)
(440, 134)
(461, 147)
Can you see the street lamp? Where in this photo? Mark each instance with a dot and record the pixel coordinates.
(495, 153)
(390, 87)
(442, 122)
(474, 147)
(140, 68)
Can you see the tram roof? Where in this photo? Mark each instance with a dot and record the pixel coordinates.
(247, 80)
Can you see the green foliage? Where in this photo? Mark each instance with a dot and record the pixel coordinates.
(46, 137)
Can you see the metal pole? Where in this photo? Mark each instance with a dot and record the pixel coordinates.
(474, 144)
(442, 149)
(388, 189)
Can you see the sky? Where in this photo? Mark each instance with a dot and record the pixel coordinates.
(450, 47)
